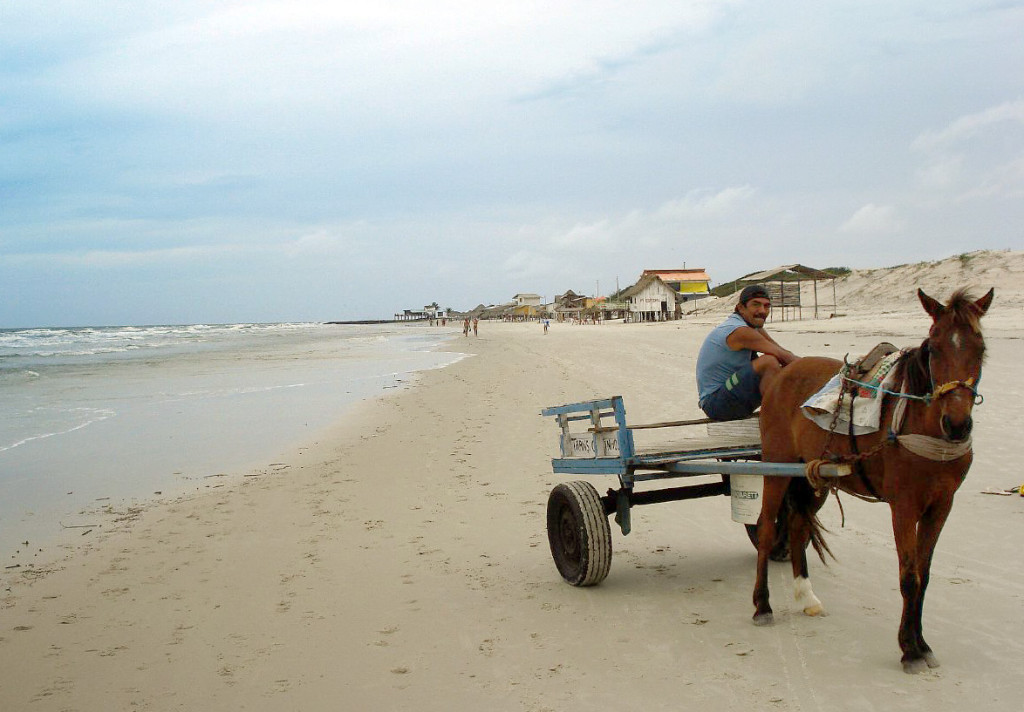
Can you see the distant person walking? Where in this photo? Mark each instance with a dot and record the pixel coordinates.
(546, 325)
(476, 325)
(465, 326)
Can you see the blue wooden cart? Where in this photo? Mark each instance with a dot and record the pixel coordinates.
(595, 440)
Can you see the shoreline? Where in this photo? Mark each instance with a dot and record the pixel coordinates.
(401, 563)
(216, 422)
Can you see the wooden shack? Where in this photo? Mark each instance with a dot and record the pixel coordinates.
(786, 285)
(650, 299)
(690, 283)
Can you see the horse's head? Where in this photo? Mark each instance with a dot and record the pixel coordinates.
(955, 350)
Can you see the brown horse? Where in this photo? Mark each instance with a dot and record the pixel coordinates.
(916, 467)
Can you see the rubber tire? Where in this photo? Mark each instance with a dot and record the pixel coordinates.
(579, 533)
(780, 550)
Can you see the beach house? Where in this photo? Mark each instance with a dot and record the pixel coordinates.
(650, 299)
(688, 284)
(525, 306)
(684, 281)
(571, 306)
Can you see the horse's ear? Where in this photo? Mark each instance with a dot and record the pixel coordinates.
(985, 302)
(932, 306)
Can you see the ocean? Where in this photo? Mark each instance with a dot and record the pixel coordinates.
(103, 417)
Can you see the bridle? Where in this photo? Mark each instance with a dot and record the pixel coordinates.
(946, 388)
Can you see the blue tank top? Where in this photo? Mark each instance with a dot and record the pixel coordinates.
(716, 361)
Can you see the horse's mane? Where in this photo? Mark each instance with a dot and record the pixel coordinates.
(914, 363)
(916, 374)
(964, 310)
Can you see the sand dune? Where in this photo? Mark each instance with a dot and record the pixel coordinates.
(891, 289)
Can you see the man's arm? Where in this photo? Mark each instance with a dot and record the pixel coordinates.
(758, 340)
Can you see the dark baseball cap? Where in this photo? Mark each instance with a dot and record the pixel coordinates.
(753, 292)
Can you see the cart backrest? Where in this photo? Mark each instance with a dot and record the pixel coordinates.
(593, 429)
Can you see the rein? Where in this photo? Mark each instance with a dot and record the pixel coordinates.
(927, 398)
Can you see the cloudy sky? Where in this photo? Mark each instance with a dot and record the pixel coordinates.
(180, 162)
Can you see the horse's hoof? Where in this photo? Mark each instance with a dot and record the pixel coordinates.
(764, 618)
(931, 660)
(815, 610)
(915, 666)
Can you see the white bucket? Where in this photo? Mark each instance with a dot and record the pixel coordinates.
(746, 497)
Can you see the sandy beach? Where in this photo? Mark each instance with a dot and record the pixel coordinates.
(400, 561)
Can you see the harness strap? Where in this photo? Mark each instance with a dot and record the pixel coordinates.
(934, 448)
(858, 460)
(924, 445)
(898, 411)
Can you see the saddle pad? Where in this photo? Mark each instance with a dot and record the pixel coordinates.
(867, 411)
(876, 375)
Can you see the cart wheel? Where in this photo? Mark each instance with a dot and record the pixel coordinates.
(579, 534)
(780, 550)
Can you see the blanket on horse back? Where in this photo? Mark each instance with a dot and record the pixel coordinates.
(860, 383)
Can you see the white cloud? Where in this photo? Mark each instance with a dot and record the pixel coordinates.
(376, 61)
(595, 234)
(940, 173)
(977, 156)
(529, 265)
(324, 242)
(873, 219)
(651, 229)
(1005, 180)
(967, 127)
(705, 205)
(120, 259)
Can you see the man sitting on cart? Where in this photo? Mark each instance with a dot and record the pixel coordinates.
(730, 373)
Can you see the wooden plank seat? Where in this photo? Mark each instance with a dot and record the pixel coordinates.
(716, 439)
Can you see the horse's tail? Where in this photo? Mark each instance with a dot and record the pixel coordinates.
(804, 501)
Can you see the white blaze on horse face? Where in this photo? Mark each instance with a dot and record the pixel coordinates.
(955, 338)
(805, 598)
